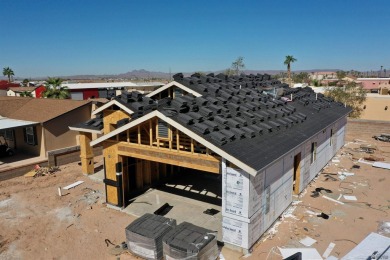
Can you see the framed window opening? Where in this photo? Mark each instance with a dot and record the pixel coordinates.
(8, 134)
(30, 135)
(313, 152)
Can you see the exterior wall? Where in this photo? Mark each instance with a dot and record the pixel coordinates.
(374, 83)
(375, 108)
(23, 147)
(90, 93)
(250, 205)
(38, 91)
(359, 127)
(57, 133)
(111, 117)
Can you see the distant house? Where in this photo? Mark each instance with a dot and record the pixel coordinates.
(5, 85)
(35, 126)
(18, 91)
(321, 75)
(374, 84)
(84, 91)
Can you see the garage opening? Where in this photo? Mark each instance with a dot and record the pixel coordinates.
(192, 195)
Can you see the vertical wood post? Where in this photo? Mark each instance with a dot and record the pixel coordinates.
(86, 153)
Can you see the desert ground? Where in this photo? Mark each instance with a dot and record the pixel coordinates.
(36, 223)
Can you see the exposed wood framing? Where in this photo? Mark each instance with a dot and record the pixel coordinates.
(164, 155)
(86, 153)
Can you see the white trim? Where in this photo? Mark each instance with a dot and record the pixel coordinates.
(110, 103)
(174, 83)
(86, 130)
(186, 131)
(123, 128)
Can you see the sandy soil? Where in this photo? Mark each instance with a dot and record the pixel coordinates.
(38, 224)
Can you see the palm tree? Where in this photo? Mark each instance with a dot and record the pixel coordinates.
(289, 59)
(55, 90)
(8, 72)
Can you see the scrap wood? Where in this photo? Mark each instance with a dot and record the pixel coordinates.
(381, 165)
(326, 197)
(73, 185)
(31, 173)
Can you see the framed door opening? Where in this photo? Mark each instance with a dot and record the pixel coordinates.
(297, 173)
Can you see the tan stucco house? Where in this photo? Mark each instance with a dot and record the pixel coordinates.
(34, 126)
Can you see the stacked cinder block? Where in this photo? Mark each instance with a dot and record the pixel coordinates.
(188, 241)
(144, 235)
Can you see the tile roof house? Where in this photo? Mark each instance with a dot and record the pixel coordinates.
(37, 126)
(268, 141)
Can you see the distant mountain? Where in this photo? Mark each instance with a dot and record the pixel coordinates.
(143, 74)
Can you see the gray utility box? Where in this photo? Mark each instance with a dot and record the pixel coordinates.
(144, 235)
(188, 241)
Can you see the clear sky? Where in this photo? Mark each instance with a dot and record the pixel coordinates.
(53, 37)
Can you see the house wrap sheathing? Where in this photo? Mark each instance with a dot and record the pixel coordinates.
(268, 141)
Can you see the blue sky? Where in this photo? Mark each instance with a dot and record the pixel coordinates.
(51, 38)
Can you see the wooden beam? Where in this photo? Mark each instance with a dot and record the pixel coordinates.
(164, 155)
(139, 134)
(128, 135)
(150, 133)
(86, 153)
(170, 137)
(192, 145)
(177, 140)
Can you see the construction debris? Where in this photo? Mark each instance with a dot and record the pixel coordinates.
(307, 241)
(374, 246)
(73, 185)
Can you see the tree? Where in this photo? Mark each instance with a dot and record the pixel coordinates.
(7, 71)
(229, 72)
(340, 74)
(352, 95)
(289, 59)
(25, 82)
(55, 90)
(238, 65)
(302, 77)
(26, 94)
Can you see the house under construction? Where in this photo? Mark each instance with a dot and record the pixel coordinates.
(265, 140)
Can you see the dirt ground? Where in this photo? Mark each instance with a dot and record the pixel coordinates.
(36, 223)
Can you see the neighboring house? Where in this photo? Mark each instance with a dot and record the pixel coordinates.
(36, 126)
(84, 91)
(36, 92)
(5, 85)
(374, 84)
(321, 75)
(265, 148)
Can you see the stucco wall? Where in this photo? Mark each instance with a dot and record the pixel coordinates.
(23, 147)
(57, 131)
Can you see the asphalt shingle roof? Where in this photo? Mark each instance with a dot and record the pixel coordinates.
(250, 117)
